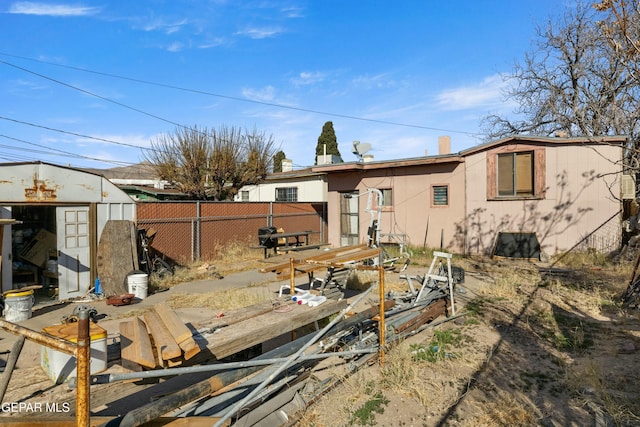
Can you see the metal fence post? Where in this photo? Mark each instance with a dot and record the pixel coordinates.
(198, 230)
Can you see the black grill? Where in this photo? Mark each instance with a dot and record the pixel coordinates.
(264, 240)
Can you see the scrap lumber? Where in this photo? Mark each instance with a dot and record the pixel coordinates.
(135, 345)
(165, 344)
(178, 330)
(257, 330)
(343, 255)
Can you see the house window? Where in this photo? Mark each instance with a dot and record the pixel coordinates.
(387, 197)
(440, 195)
(244, 196)
(287, 194)
(515, 174)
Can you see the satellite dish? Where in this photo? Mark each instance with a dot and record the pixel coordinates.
(360, 149)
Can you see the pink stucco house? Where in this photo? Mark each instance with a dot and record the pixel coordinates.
(557, 190)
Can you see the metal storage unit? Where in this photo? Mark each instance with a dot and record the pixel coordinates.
(62, 213)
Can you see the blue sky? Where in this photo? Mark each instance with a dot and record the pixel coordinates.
(86, 83)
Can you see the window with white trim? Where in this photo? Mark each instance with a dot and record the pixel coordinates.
(287, 194)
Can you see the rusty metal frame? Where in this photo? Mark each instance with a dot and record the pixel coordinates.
(81, 350)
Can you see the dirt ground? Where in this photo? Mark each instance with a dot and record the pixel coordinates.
(534, 347)
(530, 346)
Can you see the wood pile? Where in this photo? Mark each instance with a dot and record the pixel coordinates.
(157, 340)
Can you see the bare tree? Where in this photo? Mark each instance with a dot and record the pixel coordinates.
(212, 163)
(572, 84)
(621, 28)
(181, 158)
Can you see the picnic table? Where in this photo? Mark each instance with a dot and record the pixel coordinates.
(285, 242)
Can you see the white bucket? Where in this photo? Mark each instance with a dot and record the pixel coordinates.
(138, 284)
(60, 366)
(18, 305)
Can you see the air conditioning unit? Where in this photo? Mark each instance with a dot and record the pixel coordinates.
(628, 187)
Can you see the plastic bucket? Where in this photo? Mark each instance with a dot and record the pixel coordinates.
(59, 366)
(138, 284)
(18, 305)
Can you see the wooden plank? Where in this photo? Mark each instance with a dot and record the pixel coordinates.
(190, 348)
(163, 340)
(331, 253)
(179, 331)
(256, 330)
(135, 345)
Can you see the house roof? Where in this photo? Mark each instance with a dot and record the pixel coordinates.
(547, 140)
(459, 157)
(383, 164)
(294, 174)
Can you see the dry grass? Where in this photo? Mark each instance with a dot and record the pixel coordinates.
(228, 299)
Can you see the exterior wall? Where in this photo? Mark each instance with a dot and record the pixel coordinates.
(581, 183)
(412, 212)
(310, 189)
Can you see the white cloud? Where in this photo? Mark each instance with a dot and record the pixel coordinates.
(259, 33)
(376, 81)
(487, 92)
(33, 8)
(175, 47)
(165, 27)
(308, 78)
(265, 94)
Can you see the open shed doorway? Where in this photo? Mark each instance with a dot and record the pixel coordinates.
(51, 247)
(34, 254)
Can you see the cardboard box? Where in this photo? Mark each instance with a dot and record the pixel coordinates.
(37, 250)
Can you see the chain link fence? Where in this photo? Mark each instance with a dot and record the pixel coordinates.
(190, 231)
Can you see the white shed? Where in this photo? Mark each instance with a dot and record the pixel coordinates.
(61, 212)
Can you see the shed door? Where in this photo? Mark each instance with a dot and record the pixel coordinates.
(74, 276)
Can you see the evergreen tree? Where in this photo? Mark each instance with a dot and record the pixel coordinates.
(277, 161)
(327, 138)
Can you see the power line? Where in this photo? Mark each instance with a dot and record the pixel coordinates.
(56, 152)
(233, 98)
(91, 94)
(73, 133)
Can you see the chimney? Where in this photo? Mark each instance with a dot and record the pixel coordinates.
(287, 165)
(444, 145)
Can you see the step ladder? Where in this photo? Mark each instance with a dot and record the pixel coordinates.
(436, 275)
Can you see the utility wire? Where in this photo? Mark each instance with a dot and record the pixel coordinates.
(74, 133)
(55, 151)
(137, 110)
(233, 98)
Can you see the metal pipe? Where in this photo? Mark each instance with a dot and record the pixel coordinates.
(83, 359)
(215, 367)
(381, 322)
(290, 360)
(11, 363)
(40, 338)
(165, 404)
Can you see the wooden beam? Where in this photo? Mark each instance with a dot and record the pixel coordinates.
(178, 330)
(162, 338)
(256, 330)
(331, 253)
(135, 345)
